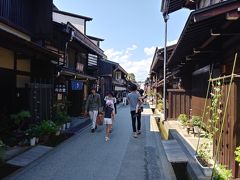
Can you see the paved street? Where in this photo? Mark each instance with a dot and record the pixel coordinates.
(87, 156)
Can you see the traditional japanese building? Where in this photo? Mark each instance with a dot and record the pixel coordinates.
(78, 68)
(206, 51)
(26, 66)
(113, 78)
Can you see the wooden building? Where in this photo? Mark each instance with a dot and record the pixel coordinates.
(26, 66)
(113, 78)
(78, 68)
(208, 43)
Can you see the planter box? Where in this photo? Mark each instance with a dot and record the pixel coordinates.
(207, 171)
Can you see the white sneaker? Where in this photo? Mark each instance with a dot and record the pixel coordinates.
(135, 135)
(107, 139)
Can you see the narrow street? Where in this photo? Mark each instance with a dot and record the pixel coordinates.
(87, 156)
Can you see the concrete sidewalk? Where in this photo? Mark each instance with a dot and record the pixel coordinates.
(87, 156)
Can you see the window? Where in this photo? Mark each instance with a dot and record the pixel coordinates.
(24, 65)
(6, 58)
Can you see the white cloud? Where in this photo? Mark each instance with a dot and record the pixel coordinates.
(140, 67)
(149, 51)
(169, 43)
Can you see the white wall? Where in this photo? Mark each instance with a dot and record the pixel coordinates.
(77, 22)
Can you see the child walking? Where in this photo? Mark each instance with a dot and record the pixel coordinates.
(108, 117)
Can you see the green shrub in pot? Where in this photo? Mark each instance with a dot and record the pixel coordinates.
(183, 119)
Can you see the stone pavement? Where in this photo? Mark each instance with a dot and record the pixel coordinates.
(86, 156)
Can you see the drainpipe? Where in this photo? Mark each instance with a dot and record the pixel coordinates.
(165, 17)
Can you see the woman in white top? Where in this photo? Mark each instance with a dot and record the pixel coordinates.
(110, 97)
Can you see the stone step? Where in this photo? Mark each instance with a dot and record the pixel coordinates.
(174, 152)
(29, 156)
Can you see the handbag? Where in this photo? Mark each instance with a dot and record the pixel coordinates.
(100, 118)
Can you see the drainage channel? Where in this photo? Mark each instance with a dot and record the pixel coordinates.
(180, 170)
(175, 154)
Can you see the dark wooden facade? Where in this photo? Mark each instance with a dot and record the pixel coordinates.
(33, 17)
(211, 51)
(179, 102)
(113, 78)
(24, 61)
(79, 63)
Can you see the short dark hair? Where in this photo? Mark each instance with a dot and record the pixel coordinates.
(133, 87)
(141, 91)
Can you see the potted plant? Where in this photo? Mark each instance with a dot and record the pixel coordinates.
(31, 133)
(183, 119)
(237, 155)
(196, 122)
(189, 126)
(220, 172)
(62, 119)
(46, 129)
(20, 118)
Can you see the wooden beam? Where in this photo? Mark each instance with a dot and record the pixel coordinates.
(216, 11)
(233, 15)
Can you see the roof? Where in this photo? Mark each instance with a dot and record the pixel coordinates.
(169, 6)
(207, 25)
(84, 39)
(73, 15)
(158, 57)
(117, 65)
(121, 69)
(21, 45)
(95, 38)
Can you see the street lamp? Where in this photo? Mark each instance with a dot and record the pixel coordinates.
(165, 17)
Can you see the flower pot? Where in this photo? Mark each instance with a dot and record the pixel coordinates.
(68, 125)
(58, 133)
(207, 171)
(33, 141)
(195, 130)
(63, 127)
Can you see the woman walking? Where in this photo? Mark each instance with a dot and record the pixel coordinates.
(108, 117)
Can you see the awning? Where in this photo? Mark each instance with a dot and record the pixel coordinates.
(205, 30)
(25, 47)
(78, 75)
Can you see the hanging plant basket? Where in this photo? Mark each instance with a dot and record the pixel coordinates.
(204, 166)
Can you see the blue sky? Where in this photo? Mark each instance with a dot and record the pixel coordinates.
(132, 29)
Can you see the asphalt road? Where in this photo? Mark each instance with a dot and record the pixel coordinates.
(87, 156)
